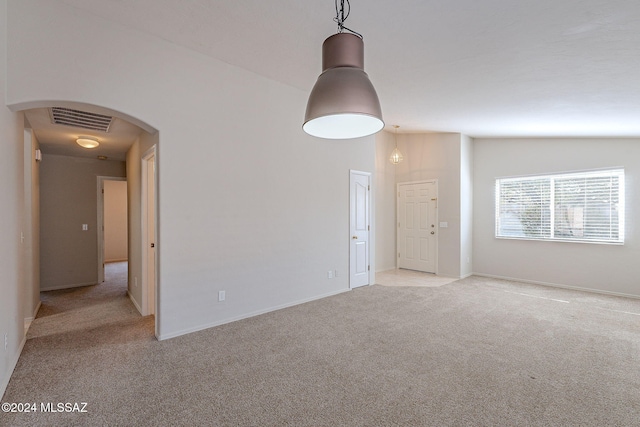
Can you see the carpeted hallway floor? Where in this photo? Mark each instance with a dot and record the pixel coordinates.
(475, 352)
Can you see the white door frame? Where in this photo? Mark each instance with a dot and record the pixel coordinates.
(398, 243)
(100, 222)
(149, 290)
(351, 216)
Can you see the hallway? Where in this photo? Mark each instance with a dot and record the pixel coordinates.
(65, 312)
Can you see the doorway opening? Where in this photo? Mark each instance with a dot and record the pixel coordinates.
(112, 223)
(74, 246)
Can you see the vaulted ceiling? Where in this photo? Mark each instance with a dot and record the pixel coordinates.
(482, 68)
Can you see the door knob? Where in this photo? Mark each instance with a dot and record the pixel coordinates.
(355, 237)
(433, 232)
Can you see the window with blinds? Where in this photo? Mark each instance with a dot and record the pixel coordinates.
(583, 206)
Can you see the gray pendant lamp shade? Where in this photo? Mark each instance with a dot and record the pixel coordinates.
(343, 103)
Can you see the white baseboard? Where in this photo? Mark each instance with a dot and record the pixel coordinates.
(58, 287)
(559, 285)
(12, 366)
(29, 320)
(134, 302)
(245, 316)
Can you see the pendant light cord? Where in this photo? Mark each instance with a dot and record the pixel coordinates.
(341, 16)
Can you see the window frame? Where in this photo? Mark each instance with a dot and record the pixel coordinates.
(552, 177)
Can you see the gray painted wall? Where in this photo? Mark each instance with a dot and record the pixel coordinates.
(68, 199)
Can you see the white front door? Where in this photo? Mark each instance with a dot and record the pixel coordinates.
(417, 231)
(359, 225)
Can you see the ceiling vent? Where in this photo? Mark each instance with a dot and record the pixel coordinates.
(80, 119)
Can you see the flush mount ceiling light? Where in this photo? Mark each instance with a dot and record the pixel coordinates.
(396, 155)
(87, 142)
(343, 103)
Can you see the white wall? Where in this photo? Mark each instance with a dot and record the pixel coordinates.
(385, 203)
(447, 158)
(606, 268)
(12, 290)
(466, 206)
(437, 156)
(134, 206)
(69, 199)
(115, 221)
(31, 226)
(248, 203)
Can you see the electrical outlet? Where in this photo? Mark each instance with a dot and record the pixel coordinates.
(221, 295)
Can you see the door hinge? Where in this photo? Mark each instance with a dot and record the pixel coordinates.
(103, 191)
(368, 228)
(368, 268)
(398, 254)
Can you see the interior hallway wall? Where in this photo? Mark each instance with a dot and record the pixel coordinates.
(68, 199)
(134, 206)
(31, 225)
(12, 253)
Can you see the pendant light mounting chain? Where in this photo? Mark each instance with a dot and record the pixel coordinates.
(342, 15)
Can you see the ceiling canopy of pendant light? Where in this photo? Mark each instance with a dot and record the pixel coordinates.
(343, 103)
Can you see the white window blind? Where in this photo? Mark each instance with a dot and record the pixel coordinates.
(582, 206)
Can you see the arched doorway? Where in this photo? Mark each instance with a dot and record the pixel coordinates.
(121, 138)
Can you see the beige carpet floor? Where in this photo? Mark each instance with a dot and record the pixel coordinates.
(475, 352)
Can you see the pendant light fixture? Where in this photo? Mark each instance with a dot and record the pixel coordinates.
(343, 103)
(396, 155)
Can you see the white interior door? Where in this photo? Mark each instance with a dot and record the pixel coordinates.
(359, 225)
(417, 231)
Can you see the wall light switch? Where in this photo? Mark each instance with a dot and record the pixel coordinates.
(85, 227)
(444, 225)
(221, 295)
